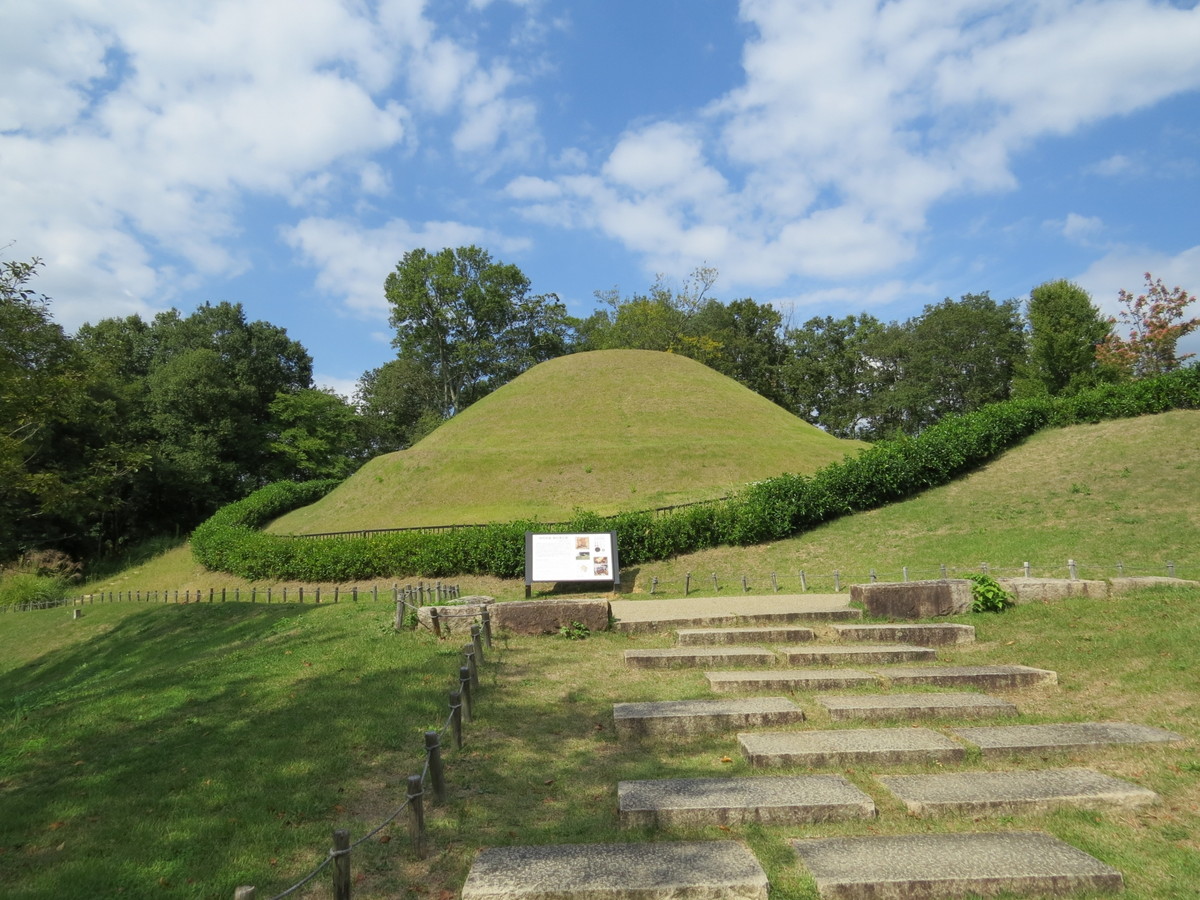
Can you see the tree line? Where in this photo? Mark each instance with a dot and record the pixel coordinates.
(132, 428)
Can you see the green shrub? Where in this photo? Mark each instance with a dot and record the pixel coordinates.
(25, 587)
(987, 595)
(767, 510)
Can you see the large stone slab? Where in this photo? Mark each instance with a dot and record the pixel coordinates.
(681, 717)
(923, 635)
(985, 677)
(707, 637)
(697, 657)
(1001, 740)
(639, 616)
(701, 870)
(914, 599)
(764, 800)
(856, 654)
(1140, 582)
(1011, 793)
(875, 746)
(919, 866)
(915, 706)
(790, 680)
(548, 616)
(1044, 590)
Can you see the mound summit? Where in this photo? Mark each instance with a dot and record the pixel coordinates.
(605, 431)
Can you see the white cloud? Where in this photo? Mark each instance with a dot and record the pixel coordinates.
(1080, 229)
(352, 262)
(133, 135)
(855, 119)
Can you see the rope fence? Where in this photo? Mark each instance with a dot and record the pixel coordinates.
(462, 701)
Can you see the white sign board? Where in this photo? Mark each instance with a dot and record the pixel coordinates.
(571, 557)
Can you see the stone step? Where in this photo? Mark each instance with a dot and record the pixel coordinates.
(691, 657)
(764, 800)
(873, 746)
(1011, 793)
(922, 635)
(749, 682)
(1003, 740)
(915, 706)
(680, 717)
(647, 615)
(707, 637)
(952, 865)
(697, 870)
(985, 677)
(856, 654)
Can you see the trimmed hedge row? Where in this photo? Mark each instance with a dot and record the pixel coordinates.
(765, 511)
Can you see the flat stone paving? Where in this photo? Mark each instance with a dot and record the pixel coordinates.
(766, 800)
(877, 746)
(700, 870)
(1000, 740)
(986, 677)
(1004, 793)
(922, 635)
(705, 637)
(702, 612)
(859, 654)
(952, 865)
(680, 717)
(787, 680)
(692, 657)
(959, 704)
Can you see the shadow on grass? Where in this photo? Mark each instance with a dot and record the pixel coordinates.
(199, 748)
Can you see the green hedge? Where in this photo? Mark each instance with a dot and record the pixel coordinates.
(765, 511)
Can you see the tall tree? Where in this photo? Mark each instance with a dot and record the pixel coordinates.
(830, 373)
(470, 322)
(398, 404)
(1065, 328)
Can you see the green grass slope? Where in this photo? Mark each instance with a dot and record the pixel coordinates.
(605, 431)
(1119, 491)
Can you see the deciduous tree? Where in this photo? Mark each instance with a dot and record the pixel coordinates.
(1155, 323)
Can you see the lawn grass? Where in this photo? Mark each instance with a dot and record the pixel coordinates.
(180, 751)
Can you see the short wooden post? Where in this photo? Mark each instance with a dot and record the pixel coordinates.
(874, 577)
(245, 892)
(983, 567)
(433, 618)
(1170, 570)
(437, 775)
(416, 815)
(374, 592)
(486, 617)
(318, 596)
(1121, 569)
(653, 585)
(269, 595)
(905, 571)
(77, 614)
(745, 584)
(211, 592)
(1071, 568)
(335, 593)
(687, 583)
(943, 568)
(341, 864)
(398, 620)
(472, 665)
(477, 643)
(803, 581)
(222, 595)
(254, 594)
(456, 718)
(716, 587)
(1026, 568)
(775, 582)
(354, 594)
(464, 689)
(837, 581)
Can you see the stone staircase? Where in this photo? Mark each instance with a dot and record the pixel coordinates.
(983, 863)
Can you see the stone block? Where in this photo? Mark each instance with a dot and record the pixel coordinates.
(708, 637)
(684, 717)
(922, 635)
(1025, 864)
(692, 657)
(1001, 740)
(548, 616)
(849, 746)
(787, 680)
(1045, 590)
(457, 618)
(856, 654)
(914, 599)
(696, 870)
(762, 800)
(1014, 793)
(915, 706)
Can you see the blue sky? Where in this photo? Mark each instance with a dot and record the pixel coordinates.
(828, 157)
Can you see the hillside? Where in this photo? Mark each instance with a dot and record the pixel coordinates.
(603, 431)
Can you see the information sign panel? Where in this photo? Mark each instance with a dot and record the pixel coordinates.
(571, 557)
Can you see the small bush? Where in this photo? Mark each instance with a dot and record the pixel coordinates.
(987, 595)
(25, 587)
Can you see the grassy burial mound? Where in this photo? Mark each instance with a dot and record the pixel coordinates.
(605, 431)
